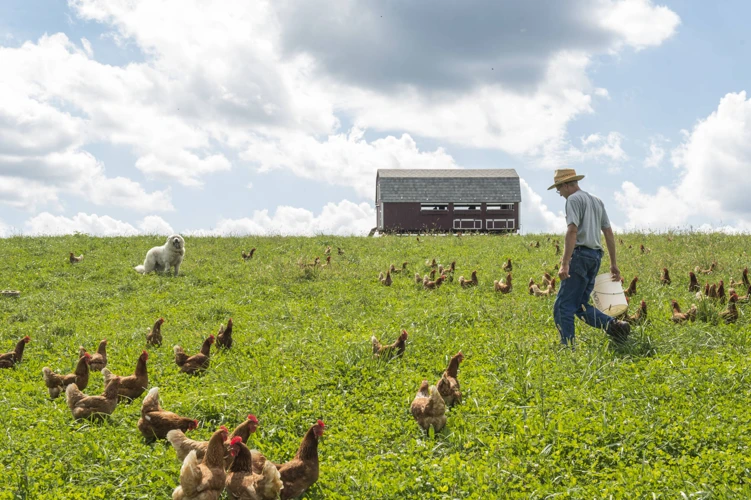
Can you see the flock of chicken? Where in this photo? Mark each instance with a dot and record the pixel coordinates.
(429, 405)
(208, 467)
(428, 281)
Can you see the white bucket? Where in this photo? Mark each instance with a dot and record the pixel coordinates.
(608, 295)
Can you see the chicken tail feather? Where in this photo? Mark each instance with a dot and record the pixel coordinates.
(190, 474)
(73, 396)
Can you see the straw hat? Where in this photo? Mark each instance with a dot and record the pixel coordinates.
(564, 175)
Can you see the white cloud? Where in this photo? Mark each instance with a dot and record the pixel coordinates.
(50, 225)
(342, 219)
(640, 23)
(344, 159)
(535, 216)
(656, 152)
(712, 184)
(26, 194)
(154, 224)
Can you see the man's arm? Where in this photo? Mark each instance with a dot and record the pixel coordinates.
(610, 242)
(568, 250)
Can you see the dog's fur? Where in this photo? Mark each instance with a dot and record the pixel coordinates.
(161, 259)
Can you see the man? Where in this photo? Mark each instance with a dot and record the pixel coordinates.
(582, 254)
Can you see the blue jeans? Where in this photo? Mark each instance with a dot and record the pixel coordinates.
(574, 292)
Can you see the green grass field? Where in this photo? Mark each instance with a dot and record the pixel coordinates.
(666, 413)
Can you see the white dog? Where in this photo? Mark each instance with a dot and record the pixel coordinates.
(160, 259)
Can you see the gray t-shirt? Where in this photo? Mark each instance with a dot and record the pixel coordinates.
(588, 214)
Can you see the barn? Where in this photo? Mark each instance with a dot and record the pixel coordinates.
(447, 200)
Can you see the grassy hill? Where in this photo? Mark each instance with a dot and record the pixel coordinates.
(667, 413)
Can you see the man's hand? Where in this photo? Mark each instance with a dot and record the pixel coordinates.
(615, 273)
(563, 272)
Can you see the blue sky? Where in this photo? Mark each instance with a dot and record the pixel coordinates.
(128, 117)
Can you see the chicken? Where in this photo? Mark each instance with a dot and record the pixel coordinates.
(385, 280)
(224, 337)
(546, 279)
(394, 270)
(93, 407)
(73, 259)
(508, 266)
(154, 337)
(711, 269)
(693, 284)
(730, 314)
(744, 278)
(465, 283)
(184, 445)
(644, 249)
(431, 263)
(198, 363)
(249, 255)
(327, 251)
(243, 482)
(428, 408)
(432, 285)
(448, 385)
(204, 480)
(301, 472)
(132, 386)
(504, 287)
(418, 279)
(681, 317)
(339, 251)
(315, 263)
(155, 422)
(432, 274)
(712, 291)
(9, 359)
(557, 248)
(99, 359)
(327, 264)
(397, 348)
(745, 298)
(452, 267)
(721, 292)
(631, 290)
(639, 317)
(56, 383)
(537, 292)
(665, 276)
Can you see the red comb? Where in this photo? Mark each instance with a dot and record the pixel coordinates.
(211, 337)
(145, 355)
(236, 440)
(223, 428)
(253, 418)
(27, 339)
(321, 424)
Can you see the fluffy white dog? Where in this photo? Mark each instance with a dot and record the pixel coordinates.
(160, 259)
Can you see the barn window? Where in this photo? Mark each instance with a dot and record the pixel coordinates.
(466, 207)
(497, 224)
(497, 207)
(434, 207)
(467, 223)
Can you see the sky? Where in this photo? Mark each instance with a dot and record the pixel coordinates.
(229, 117)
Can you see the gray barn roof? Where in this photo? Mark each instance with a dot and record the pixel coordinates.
(499, 185)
